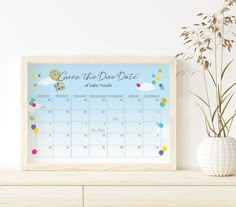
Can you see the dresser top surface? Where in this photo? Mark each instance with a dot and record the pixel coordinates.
(114, 178)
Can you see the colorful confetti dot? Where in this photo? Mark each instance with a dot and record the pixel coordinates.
(153, 82)
(164, 100)
(35, 84)
(34, 75)
(33, 104)
(138, 85)
(36, 130)
(153, 75)
(158, 78)
(160, 70)
(161, 125)
(162, 104)
(34, 151)
(160, 84)
(39, 75)
(162, 88)
(33, 126)
(31, 101)
(161, 152)
(31, 118)
(164, 148)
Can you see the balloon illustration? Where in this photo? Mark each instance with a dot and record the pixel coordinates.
(54, 75)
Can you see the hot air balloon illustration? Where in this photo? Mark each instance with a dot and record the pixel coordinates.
(55, 75)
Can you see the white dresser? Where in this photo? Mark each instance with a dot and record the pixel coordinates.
(115, 189)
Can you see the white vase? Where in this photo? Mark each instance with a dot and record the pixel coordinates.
(216, 156)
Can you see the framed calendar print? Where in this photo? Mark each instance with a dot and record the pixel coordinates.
(98, 113)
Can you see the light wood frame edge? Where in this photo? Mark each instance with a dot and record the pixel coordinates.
(97, 59)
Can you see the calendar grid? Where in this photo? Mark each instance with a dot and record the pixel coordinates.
(81, 123)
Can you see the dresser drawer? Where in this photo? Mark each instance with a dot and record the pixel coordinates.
(37, 196)
(153, 196)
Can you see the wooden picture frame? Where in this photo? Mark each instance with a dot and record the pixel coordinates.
(34, 78)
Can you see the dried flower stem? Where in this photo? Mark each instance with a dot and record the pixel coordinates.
(211, 36)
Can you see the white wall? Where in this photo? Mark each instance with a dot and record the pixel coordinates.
(90, 27)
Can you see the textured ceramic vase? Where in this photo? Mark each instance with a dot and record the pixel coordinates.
(216, 156)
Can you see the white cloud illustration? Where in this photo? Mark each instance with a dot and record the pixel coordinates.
(46, 81)
(146, 87)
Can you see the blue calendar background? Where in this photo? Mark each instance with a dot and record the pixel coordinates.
(75, 113)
